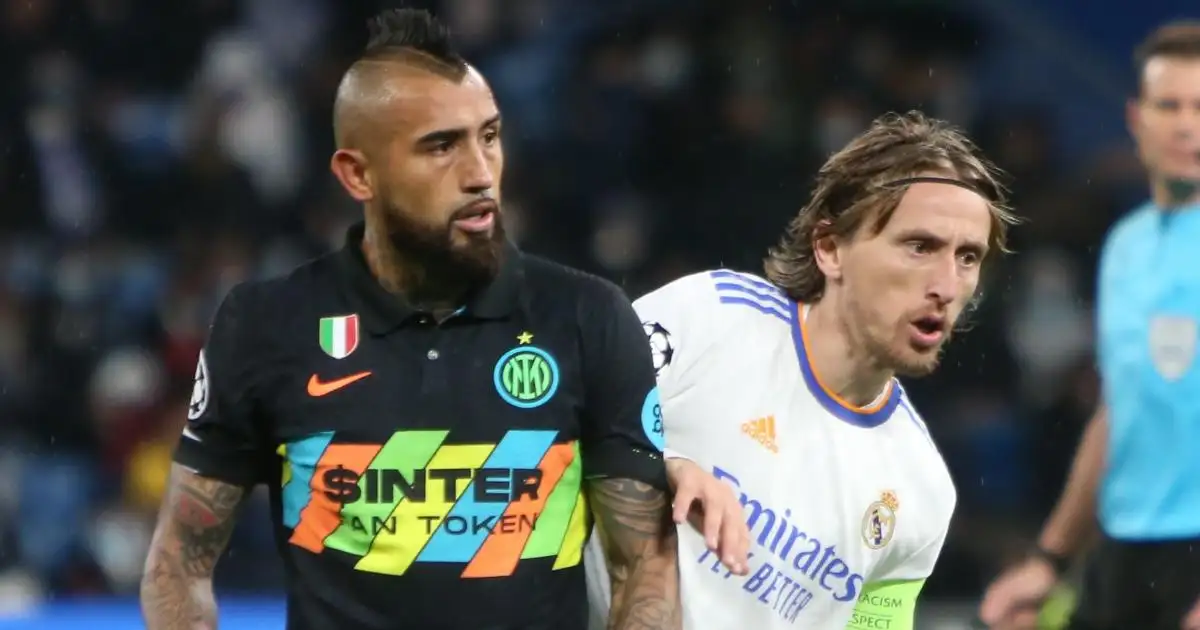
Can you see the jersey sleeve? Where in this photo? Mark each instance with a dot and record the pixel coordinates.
(678, 320)
(889, 600)
(622, 432)
(222, 439)
(672, 319)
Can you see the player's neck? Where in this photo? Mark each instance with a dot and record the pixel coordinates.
(409, 279)
(841, 364)
(1171, 195)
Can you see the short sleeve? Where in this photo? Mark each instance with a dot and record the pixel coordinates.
(622, 433)
(915, 566)
(889, 598)
(678, 320)
(222, 439)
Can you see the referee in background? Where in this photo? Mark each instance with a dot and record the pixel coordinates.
(1138, 467)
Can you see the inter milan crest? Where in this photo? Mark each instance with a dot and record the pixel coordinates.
(526, 376)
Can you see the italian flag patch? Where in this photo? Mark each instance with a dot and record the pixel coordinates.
(339, 335)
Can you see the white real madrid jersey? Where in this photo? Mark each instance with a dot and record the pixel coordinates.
(847, 506)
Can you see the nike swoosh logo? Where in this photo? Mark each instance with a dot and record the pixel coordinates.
(318, 388)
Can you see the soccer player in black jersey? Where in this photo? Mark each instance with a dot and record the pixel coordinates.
(438, 416)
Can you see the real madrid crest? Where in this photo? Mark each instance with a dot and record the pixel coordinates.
(879, 523)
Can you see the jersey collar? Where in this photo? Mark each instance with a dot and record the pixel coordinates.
(382, 311)
(867, 417)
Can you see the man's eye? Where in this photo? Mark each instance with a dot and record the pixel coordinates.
(919, 247)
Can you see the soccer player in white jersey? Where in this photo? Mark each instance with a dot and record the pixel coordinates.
(785, 387)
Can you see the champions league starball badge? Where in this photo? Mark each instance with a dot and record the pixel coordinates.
(660, 345)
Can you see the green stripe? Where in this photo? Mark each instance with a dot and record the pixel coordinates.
(326, 335)
(547, 537)
(405, 451)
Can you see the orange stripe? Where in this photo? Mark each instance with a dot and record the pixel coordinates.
(322, 515)
(876, 406)
(500, 553)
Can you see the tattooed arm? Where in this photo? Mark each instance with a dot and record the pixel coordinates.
(633, 520)
(194, 525)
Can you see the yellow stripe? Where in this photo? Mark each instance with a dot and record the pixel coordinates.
(287, 465)
(571, 551)
(415, 522)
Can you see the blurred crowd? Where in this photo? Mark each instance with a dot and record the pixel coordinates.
(156, 153)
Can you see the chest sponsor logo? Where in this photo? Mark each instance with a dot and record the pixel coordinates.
(1172, 345)
(789, 567)
(879, 522)
(526, 376)
(338, 335)
(416, 499)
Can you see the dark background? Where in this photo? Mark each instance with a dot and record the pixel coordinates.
(153, 153)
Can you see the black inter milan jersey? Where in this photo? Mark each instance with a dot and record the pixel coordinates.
(427, 475)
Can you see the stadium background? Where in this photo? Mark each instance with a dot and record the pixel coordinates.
(155, 153)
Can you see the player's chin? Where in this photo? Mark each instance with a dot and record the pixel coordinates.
(478, 256)
(917, 361)
(1183, 172)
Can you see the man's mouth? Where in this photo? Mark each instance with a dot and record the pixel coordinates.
(928, 331)
(477, 217)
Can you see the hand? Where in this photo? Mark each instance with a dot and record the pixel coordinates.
(1015, 599)
(714, 510)
(1192, 621)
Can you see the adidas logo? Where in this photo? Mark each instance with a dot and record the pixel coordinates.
(762, 430)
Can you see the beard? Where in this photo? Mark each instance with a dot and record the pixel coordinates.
(893, 350)
(905, 360)
(435, 267)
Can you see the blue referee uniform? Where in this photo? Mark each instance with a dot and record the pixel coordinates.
(1149, 314)
(1145, 574)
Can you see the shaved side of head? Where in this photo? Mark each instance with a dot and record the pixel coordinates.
(403, 43)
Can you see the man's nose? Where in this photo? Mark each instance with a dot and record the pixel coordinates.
(944, 282)
(476, 173)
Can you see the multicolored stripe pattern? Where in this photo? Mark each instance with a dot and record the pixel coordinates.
(449, 523)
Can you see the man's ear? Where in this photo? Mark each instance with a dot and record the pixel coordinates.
(349, 166)
(827, 251)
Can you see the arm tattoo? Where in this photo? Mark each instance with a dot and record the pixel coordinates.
(194, 526)
(634, 522)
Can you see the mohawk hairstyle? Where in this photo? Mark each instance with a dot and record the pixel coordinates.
(397, 30)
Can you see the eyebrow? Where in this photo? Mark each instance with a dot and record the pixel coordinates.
(451, 135)
(923, 234)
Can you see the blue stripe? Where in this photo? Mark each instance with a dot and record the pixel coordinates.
(730, 288)
(759, 283)
(864, 419)
(302, 456)
(758, 306)
(518, 449)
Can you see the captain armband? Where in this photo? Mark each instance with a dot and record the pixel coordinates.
(886, 606)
